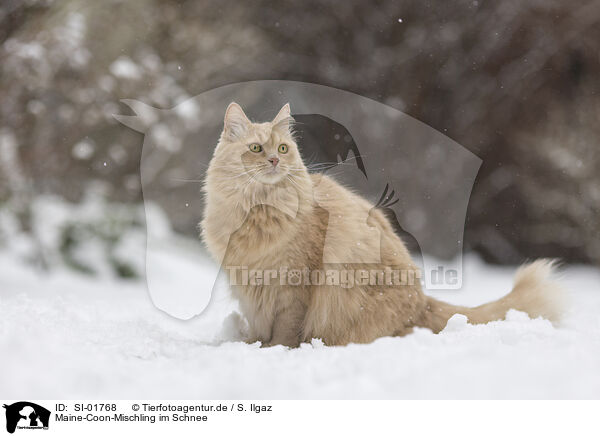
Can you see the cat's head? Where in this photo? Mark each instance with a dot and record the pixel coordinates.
(263, 152)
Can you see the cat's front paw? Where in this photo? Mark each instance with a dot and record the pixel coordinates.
(287, 344)
(252, 341)
(267, 344)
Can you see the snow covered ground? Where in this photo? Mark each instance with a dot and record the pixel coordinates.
(65, 335)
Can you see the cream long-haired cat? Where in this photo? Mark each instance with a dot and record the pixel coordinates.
(265, 212)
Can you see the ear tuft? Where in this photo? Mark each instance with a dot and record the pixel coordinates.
(283, 114)
(284, 118)
(236, 122)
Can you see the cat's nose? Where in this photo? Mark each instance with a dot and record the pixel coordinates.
(274, 161)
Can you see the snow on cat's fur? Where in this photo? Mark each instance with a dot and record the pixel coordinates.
(264, 211)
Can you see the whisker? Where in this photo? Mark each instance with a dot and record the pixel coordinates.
(337, 163)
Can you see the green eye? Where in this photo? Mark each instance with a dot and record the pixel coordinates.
(283, 148)
(256, 148)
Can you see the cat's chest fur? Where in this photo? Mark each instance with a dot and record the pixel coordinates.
(269, 243)
(270, 238)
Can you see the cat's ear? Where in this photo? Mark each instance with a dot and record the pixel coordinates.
(236, 122)
(284, 117)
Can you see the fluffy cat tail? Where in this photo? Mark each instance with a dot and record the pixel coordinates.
(534, 292)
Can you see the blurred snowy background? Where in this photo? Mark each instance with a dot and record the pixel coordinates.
(514, 82)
